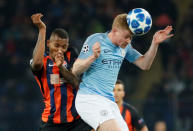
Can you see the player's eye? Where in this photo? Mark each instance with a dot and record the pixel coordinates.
(66, 45)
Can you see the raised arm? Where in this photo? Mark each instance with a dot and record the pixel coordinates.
(39, 49)
(81, 65)
(145, 61)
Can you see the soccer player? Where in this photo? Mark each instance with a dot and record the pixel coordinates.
(100, 60)
(51, 74)
(130, 115)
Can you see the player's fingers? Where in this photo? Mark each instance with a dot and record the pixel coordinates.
(35, 15)
(40, 16)
(60, 54)
(168, 29)
(169, 36)
(58, 60)
(97, 44)
(97, 49)
(61, 59)
(160, 31)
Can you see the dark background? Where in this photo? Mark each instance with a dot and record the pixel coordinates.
(163, 93)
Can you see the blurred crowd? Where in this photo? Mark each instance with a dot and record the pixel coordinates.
(169, 100)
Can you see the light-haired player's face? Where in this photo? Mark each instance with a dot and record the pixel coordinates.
(123, 37)
(119, 92)
(56, 45)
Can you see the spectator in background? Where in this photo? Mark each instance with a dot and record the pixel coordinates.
(131, 116)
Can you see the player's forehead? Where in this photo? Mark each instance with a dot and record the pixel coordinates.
(119, 87)
(125, 32)
(59, 40)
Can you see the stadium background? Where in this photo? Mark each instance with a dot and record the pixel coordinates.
(163, 93)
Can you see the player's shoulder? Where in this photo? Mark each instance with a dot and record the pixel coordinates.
(97, 36)
(44, 58)
(129, 107)
(129, 46)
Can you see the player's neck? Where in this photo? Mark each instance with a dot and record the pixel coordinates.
(120, 103)
(110, 35)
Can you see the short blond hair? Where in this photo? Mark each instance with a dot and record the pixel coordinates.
(120, 22)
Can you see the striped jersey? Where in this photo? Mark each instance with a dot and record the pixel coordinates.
(58, 96)
(131, 117)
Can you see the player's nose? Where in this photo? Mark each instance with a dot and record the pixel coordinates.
(60, 51)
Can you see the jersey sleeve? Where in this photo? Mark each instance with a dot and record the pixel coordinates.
(86, 50)
(36, 73)
(137, 120)
(132, 54)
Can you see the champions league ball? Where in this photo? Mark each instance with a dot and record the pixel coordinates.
(139, 21)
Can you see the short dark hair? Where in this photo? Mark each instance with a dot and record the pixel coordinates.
(60, 33)
(119, 82)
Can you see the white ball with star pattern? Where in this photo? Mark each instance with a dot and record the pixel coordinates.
(139, 21)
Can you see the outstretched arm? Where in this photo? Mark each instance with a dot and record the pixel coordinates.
(38, 53)
(81, 65)
(145, 61)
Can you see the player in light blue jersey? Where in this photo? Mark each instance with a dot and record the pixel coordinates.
(100, 60)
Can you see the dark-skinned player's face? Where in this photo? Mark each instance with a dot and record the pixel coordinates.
(57, 45)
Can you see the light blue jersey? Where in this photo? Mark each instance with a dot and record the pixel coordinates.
(101, 76)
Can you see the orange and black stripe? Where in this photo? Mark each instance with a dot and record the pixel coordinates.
(127, 117)
(131, 116)
(59, 99)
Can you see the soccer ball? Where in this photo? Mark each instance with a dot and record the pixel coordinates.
(139, 21)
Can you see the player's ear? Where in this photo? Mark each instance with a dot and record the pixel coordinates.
(114, 30)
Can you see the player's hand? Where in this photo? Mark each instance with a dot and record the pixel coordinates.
(36, 19)
(59, 59)
(96, 49)
(162, 35)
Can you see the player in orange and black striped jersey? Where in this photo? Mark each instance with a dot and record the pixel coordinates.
(131, 116)
(58, 85)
